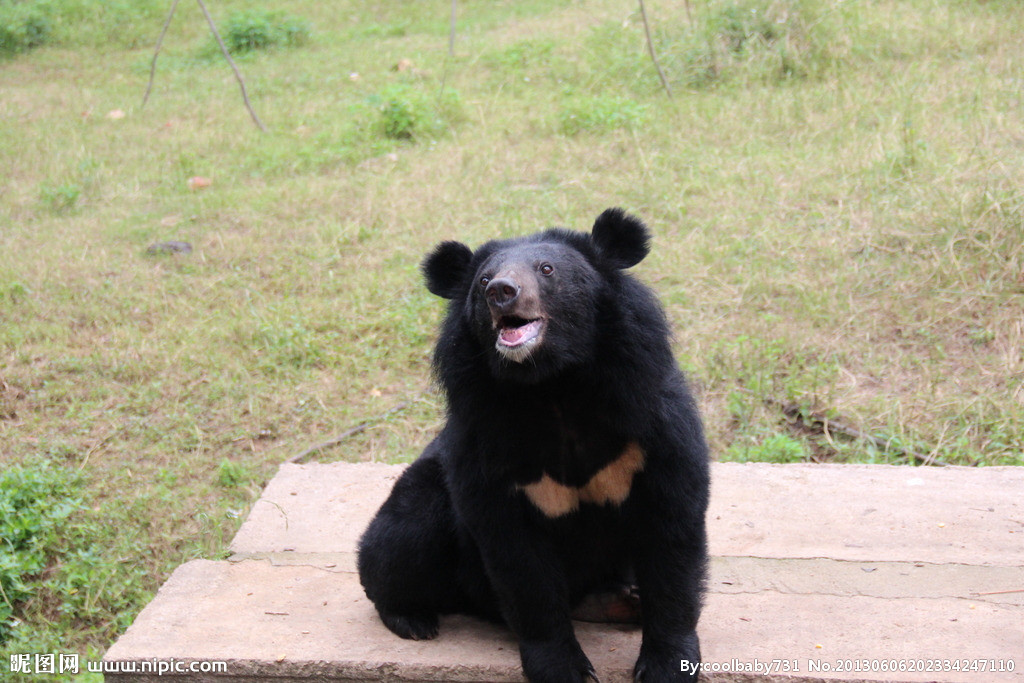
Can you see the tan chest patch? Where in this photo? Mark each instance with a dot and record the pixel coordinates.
(610, 485)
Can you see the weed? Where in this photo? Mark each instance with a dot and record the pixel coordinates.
(245, 31)
(735, 41)
(373, 30)
(13, 291)
(981, 336)
(23, 26)
(738, 26)
(408, 113)
(522, 55)
(27, 24)
(35, 505)
(763, 370)
(777, 448)
(232, 474)
(599, 114)
(399, 117)
(906, 158)
(60, 198)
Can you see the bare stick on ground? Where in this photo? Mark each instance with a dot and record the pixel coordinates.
(814, 422)
(227, 56)
(451, 30)
(650, 48)
(352, 431)
(156, 52)
(223, 49)
(451, 49)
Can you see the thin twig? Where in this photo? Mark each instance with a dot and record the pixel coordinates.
(101, 443)
(295, 459)
(1015, 590)
(451, 31)
(156, 52)
(451, 53)
(650, 48)
(227, 56)
(3, 595)
(352, 431)
(826, 425)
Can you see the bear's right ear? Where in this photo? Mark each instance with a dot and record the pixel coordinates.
(446, 269)
(620, 238)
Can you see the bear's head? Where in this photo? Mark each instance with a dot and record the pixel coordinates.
(536, 305)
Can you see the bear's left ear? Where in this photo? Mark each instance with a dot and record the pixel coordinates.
(620, 238)
(446, 269)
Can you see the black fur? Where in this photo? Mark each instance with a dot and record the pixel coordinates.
(621, 238)
(458, 533)
(445, 268)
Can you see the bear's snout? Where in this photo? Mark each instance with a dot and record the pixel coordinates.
(502, 292)
(517, 316)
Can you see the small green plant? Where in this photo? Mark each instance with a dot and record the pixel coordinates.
(28, 24)
(250, 30)
(294, 31)
(13, 291)
(778, 448)
(523, 54)
(60, 198)
(979, 336)
(763, 369)
(600, 114)
(398, 118)
(904, 161)
(36, 503)
(58, 566)
(231, 474)
(407, 113)
(739, 25)
(373, 30)
(23, 26)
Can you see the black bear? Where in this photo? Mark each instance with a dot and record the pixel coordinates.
(572, 463)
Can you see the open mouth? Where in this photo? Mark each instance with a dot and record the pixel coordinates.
(513, 331)
(517, 336)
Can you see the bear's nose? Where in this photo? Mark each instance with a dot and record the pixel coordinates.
(502, 292)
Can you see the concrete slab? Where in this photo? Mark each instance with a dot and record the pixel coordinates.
(848, 512)
(820, 573)
(869, 512)
(316, 508)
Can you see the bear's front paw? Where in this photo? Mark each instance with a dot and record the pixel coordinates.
(556, 662)
(675, 661)
(411, 626)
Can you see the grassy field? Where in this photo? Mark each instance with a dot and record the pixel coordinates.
(836, 191)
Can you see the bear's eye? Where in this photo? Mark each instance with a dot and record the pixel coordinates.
(547, 269)
(484, 280)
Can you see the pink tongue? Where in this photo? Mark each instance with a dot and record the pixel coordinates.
(514, 336)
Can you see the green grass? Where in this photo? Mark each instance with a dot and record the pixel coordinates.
(257, 30)
(834, 191)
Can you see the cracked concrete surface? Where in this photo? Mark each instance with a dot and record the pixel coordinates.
(850, 568)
